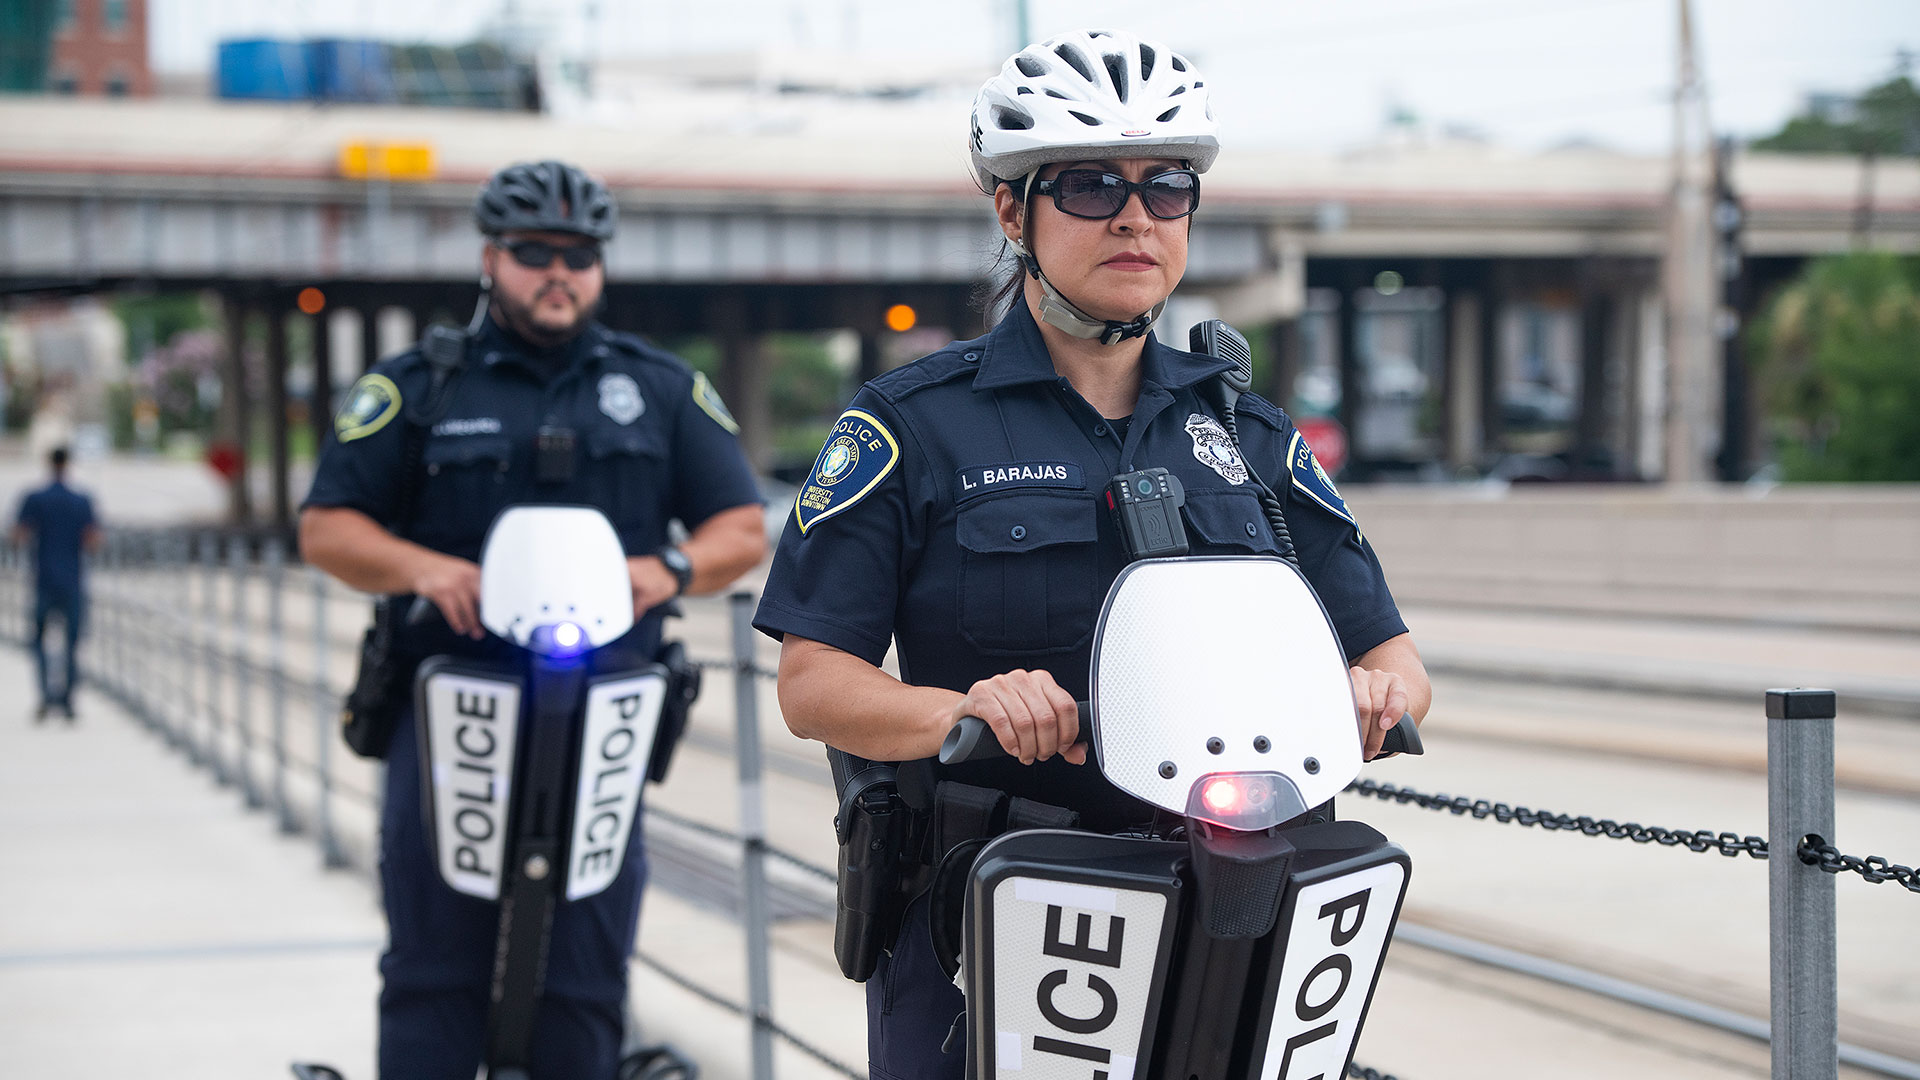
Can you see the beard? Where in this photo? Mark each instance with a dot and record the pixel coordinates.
(523, 320)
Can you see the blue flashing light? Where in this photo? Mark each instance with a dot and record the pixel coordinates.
(562, 641)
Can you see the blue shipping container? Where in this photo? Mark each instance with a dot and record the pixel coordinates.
(349, 70)
(263, 70)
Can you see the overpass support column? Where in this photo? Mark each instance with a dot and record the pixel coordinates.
(277, 315)
(743, 373)
(320, 401)
(1464, 372)
(1349, 279)
(236, 414)
(1493, 433)
(369, 337)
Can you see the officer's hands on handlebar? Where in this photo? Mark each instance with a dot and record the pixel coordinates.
(453, 584)
(1031, 716)
(1380, 698)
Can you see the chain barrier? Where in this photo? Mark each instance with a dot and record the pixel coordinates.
(1815, 851)
(717, 833)
(1360, 1072)
(1732, 845)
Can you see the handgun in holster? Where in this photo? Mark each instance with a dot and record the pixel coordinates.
(371, 711)
(683, 687)
(875, 828)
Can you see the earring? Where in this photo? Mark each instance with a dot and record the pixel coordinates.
(486, 282)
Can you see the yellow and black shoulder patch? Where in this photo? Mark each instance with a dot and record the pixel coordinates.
(859, 453)
(705, 396)
(371, 405)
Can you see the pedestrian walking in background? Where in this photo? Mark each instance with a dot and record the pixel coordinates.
(58, 523)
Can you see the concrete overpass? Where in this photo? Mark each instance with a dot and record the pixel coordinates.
(745, 216)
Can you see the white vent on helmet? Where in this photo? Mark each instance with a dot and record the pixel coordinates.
(1091, 94)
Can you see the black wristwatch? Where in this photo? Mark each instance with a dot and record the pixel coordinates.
(680, 565)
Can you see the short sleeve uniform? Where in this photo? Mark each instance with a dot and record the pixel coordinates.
(957, 510)
(651, 443)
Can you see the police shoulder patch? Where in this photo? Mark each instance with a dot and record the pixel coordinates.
(859, 453)
(1313, 482)
(705, 396)
(371, 405)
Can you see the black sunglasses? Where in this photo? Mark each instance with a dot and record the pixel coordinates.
(1098, 195)
(538, 254)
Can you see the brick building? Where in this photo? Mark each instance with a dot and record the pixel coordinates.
(100, 48)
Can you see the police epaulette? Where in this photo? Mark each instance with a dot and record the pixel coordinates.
(1263, 410)
(930, 370)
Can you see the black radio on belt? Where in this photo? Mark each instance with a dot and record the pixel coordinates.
(1146, 506)
(553, 455)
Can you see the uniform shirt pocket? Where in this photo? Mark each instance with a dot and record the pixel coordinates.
(1229, 523)
(624, 474)
(464, 487)
(1028, 572)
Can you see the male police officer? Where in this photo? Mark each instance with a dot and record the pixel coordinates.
(542, 404)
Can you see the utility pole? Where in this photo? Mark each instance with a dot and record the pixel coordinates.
(1022, 26)
(1729, 217)
(1694, 400)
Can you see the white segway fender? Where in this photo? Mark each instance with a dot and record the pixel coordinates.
(622, 713)
(469, 717)
(1077, 930)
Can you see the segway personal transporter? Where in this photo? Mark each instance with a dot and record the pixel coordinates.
(1241, 938)
(534, 768)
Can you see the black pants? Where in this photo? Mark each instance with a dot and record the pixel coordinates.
(70, 605)
(911, 1006)
(438, 966)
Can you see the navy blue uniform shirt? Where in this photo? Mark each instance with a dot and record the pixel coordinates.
(652, 443)
(958, 508)
(59, 517)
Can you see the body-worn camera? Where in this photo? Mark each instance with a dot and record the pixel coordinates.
(1146, 507)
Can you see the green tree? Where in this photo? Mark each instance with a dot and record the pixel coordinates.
(1838, 353)
(1883, 120)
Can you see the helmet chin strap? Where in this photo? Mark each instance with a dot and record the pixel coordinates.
(1062, 314)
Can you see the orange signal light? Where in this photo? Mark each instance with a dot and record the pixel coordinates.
(901, 318)
(311, 300)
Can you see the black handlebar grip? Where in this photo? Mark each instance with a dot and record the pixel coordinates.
(972, 740)
(1402, 738)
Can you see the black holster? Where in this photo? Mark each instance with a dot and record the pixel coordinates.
(683, 687)
(372, 709)
(874, 828)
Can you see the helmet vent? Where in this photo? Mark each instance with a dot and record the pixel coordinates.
(1031, 67)
(1117, 71)
(1011, 120)
(1052, 93)
(1179, 62)
(1078, 61)
(1168, 115)
(1197, 84)
(1177, 91)
(1090, 121)
(1022, 90)
(1146, 62)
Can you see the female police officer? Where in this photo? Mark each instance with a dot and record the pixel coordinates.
(954, 507)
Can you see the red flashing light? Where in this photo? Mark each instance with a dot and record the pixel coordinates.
(1221, 795)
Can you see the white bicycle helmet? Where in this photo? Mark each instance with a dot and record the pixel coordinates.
(1091, 93)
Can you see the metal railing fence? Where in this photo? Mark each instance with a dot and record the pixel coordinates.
(194, 635)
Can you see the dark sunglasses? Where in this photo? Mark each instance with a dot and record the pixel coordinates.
(538, 254)
(1097, 195)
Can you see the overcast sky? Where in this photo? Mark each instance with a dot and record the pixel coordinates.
(1527, 73)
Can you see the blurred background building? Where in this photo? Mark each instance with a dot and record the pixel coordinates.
(1438, 296)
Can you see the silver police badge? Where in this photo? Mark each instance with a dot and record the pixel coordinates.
(1215, 450)
(620, 398)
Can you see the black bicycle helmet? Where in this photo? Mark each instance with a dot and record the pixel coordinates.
(545, 196)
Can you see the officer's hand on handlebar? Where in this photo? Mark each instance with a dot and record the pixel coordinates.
(1031, 716)
(453, 585)
(1380, 697)
(653, 583)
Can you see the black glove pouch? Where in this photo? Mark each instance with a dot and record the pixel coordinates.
(683, 687)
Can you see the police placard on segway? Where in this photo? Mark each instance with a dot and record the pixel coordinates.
(621, 715)
(470, 730)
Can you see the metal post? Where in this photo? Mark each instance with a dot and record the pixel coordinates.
(330, 853)
(180, 714)
(746, 712)
(210, 654)
(237, 556)
(192, 656)
(1806, 1032)
(275, 555)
